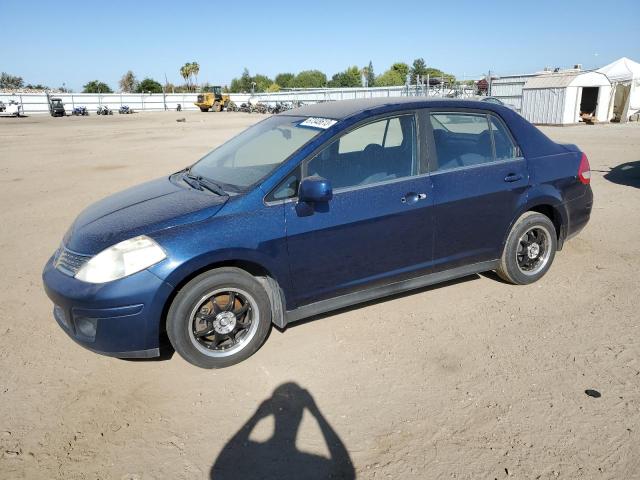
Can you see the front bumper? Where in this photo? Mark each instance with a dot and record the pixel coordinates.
(120, 318)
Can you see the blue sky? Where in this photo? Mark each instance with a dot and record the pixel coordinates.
(76, 41)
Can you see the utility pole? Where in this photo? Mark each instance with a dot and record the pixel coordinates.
(164, 91)
(489, 87)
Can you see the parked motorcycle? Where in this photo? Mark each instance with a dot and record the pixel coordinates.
(179, 108)
(104, 110)
(246, 107)
(125, 110)
(277, 108)
(260, 108)
(232, 107)
(80, 111)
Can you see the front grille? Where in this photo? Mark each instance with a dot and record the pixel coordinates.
(70, 262)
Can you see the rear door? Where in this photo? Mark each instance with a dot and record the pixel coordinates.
(479, 179)
(378, 225)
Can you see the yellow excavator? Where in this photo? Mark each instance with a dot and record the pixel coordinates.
(213, 100)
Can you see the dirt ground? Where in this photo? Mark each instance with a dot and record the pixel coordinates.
(473, 379)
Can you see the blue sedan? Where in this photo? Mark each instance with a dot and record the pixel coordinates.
(309, 211)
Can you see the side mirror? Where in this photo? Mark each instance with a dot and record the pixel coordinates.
(315, 189)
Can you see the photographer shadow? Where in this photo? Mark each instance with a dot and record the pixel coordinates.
(278, 457)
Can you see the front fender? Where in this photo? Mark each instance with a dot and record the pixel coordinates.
(175, 272)
(255, 238)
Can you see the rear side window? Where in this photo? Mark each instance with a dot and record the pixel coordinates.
(379, 151)
(505, 148)
(467, 139)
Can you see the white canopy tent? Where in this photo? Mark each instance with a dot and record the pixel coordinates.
(624, 75)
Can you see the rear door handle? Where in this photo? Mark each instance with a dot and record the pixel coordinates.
(513, 177)
(413, 197)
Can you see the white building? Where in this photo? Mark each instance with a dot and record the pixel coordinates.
(560, 98)
(508, 88)
(624, 75)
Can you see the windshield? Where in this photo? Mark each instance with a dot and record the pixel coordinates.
(257, 151)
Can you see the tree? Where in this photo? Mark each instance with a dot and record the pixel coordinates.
(285, 79)
(10, 81)
(369, 75)
(149, 85)
(195, 70)
(185, 72)
(436, 73)
(128, 82)
(402, 68)
(419, 68)
(96, 86)
(37, 86)
(188, 71)
(262, 82)
(274, 87)
(390, 78)
(349, 78)
(310, 79)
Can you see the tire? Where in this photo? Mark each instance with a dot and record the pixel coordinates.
(529, 250)
(203, 109)
(200, 307)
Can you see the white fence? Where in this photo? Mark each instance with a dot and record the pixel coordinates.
(34, 103)
(38, 103)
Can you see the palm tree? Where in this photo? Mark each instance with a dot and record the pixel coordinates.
(185, 72)
(195, 69)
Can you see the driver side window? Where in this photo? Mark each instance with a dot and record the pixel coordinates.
(376, 152)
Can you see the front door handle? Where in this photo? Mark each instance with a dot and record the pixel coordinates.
(513, 177)
(413, 197)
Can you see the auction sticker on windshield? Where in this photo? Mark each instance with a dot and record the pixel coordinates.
(315, 122)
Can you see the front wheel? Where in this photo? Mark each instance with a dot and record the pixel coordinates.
(529, 250)
(219, 318)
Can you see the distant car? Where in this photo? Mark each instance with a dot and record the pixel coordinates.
(312, 210)
(495, 100)
(56, 108)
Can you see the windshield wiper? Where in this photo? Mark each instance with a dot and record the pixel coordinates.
(200, 182)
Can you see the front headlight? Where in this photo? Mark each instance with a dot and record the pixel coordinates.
(120, 260)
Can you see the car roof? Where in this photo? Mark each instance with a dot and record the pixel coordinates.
(339, 110)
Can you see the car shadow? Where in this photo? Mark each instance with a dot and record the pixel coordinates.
(491, 275)
(626, 174)
(278, 457)
(166, 352)
(395, 296)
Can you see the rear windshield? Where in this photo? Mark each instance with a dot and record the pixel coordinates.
(257, 151)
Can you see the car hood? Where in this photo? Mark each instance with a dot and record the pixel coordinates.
(140, 210)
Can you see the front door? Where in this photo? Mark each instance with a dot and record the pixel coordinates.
(377, 227)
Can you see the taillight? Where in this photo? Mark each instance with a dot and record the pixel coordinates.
(584, 170)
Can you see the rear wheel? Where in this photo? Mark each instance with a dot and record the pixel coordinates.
(529, 250)
(219, 318)
(204, 109)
